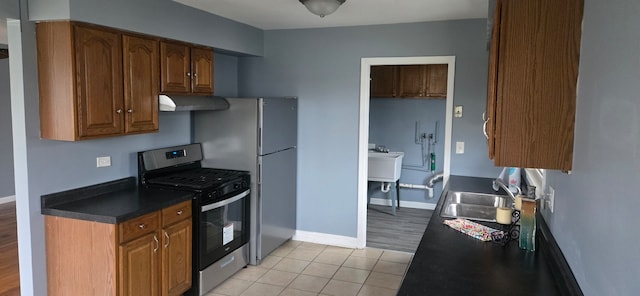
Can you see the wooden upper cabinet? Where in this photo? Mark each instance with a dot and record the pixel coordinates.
(202, 70)
(98, 56)
(437, 75)
(140, 61)
(383, 81)
(176, 68)
(186, 69)
(532, 83)
(412, 81)
(95, 82)
(409, 81)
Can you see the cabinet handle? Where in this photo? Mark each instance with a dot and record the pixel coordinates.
(155, 238)
(179, 212)
(119, 111)
(130, 111)
(195, 74)
(189, 74)
(166, 235)
(484, 128)
(142, 226)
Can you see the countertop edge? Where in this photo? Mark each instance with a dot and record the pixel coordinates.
(110, 202)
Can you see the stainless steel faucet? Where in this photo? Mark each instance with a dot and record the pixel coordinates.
(504, 186)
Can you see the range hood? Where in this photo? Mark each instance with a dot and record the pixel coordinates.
(192, 103)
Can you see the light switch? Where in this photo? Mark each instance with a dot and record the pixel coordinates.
(459, 147)
(457, 112)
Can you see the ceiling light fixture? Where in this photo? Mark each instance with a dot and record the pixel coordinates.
(322, 7)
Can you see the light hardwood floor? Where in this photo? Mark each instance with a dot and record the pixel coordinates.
(399, 233)
(9, 273)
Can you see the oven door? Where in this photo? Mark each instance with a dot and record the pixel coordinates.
(224, 227)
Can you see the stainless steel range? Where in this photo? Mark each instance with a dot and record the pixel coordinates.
(221, 210)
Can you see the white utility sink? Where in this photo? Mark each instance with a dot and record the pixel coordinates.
(385, 167)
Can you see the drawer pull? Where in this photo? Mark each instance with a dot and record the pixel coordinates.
(142, 226)
(179, 212)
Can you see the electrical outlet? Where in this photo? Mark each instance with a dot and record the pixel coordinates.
(459, 147)
(103, 161)
(457, 113)
(550, 198)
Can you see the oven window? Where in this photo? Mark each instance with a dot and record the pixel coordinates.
(223, 230)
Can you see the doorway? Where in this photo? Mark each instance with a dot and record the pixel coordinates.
(363, 137)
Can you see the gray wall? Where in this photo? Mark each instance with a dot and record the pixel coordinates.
(596, 207)
(45, 166)
(392, 123)
(322, 68)
(164, 18)
(6, 145)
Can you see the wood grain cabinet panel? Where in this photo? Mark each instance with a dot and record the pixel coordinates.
(409, 81)
(95, 81)
(383, 81)
(98, 56)
(186, 69)
(437, 75)
(140, 60)
(202, 68)
(176, 68)
(139, 263)
(532, 82)
(176, 258)
(136, 257)
(412, 81)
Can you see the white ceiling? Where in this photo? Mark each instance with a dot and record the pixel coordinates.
(289, 14)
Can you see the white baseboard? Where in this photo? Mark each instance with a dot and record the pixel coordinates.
(326, 239)
(7, 199)
(404, 204)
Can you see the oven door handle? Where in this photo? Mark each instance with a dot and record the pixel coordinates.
(225, 202)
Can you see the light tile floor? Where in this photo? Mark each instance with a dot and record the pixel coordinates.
(300, 269)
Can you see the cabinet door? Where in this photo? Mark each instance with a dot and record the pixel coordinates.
(412, 80)
(202, 69)
(437, 80)
(98, 56)
(536, 85)
(489, 117)
(175, 68)
(383, 81)
(139, 265)
(141, 73)
(176, 258)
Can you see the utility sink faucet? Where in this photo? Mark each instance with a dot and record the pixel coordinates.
(504, 186)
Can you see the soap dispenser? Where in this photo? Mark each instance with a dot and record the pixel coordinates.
(527, 239)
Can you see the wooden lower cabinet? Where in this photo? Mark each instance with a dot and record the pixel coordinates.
(176, 258)
(139, 257)
(139, 263)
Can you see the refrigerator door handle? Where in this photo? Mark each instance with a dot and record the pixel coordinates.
(259, 140)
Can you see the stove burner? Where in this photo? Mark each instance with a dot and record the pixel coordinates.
(198, 179)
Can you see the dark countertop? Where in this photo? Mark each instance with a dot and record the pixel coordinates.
(448, 262)
(112, 202)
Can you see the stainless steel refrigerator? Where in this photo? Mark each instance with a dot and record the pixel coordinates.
(258, 135)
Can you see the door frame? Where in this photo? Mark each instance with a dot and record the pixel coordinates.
(363, 133)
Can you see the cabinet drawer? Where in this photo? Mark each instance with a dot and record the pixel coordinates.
(139, 226)
(176, 213)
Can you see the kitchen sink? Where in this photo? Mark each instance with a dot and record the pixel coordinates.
(474, 206)
(385, 166)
